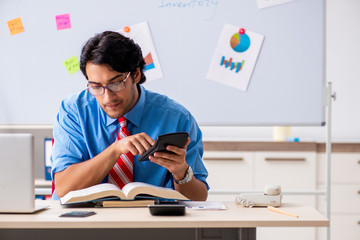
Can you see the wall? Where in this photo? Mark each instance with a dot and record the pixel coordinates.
(342, 69)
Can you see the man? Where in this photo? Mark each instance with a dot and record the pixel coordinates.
(85, 132)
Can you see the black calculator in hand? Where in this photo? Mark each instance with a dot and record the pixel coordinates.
(177, 139)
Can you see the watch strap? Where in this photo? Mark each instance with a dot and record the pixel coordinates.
(188, 177)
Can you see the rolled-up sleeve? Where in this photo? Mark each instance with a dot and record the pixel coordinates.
(69, 147)
(195, 152)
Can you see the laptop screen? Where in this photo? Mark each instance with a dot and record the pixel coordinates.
(17, 173)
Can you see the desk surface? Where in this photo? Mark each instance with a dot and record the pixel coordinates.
(234, 216)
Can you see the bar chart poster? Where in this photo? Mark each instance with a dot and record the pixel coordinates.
(235, 57)
(141, 34)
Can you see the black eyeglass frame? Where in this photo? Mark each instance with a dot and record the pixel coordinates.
(112, 87)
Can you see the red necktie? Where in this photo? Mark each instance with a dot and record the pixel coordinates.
(122, 172)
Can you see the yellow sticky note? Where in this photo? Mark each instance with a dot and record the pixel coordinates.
(72, 65)
(15, 26)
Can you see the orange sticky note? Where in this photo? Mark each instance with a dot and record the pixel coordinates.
(15, 26)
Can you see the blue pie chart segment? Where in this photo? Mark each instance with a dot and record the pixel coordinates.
(240, 42)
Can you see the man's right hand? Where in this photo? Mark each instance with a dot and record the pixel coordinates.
(136, 144)
(94, 170)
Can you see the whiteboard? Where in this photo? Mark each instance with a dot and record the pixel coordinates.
(287, 86)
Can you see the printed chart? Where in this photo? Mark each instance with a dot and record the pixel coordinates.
(140, 33)
(235, 57)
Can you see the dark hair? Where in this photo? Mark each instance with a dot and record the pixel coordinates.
(122, 54)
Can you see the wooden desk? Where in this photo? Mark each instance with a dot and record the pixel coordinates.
(235, 222)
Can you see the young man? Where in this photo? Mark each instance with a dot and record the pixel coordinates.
(86, 148)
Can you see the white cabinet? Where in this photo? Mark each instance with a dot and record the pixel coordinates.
(232, 172)
(242, 166)
(345, 227)
(345, 195)
(236, 171)
(292, 171)
(345, 168)
(345, 199)
(229, 171)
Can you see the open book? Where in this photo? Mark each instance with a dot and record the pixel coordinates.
(131, 191)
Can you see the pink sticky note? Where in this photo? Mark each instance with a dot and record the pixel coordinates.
(63, 21)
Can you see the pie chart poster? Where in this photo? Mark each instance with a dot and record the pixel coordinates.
(235, 57)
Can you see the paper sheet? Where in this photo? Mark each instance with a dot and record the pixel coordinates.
(140, 33)
(235, 57)
(204, 205)
(271, 3)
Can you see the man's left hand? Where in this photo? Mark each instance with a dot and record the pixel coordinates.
(175, 161)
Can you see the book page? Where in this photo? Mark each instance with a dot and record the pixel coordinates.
(130, 186)
(131, 203)
(131, 190)
(92, 193)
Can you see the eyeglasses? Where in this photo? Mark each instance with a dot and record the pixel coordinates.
(97, 90)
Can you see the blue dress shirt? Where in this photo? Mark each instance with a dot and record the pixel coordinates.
(82, 130)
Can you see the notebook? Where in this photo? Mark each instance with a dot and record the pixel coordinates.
(17, 190)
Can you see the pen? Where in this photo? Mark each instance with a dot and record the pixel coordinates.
(282, 212)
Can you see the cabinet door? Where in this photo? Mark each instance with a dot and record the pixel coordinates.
(345, 227)
(344, 199)
(293, 171)
(290, 170)
(229, 172)
(345, 168)
(345, 194)
(293, 233)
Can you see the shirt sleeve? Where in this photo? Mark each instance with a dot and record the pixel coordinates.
(195, 151)
(69, 147)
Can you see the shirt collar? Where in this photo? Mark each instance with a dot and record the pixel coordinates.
(135, 114)
(109, 120)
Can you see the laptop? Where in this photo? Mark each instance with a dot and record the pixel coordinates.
(17, 190)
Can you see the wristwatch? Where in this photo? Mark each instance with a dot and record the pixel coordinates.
(189, 175)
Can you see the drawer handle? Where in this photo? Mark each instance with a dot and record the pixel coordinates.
(359, 162)
(285, 159)
(224, 158)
